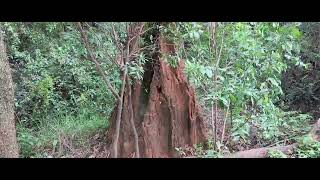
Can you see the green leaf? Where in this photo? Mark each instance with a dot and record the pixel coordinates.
(224, 101)
(208, 72)
(196, 35)
(54, 143)
(273, 81)
(295, 32)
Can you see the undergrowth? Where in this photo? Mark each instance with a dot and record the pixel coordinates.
(34, 141)
(276, 154)
(308, 148)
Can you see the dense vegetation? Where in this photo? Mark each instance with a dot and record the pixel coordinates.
(261, 78)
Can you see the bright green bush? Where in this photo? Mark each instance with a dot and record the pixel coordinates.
(251, 63)
(54, 73)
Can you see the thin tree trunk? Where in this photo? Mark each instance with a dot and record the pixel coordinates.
(119, 113)
(213, 125)
(136, 137)
(231, 115)
(224, 124)
(8, 141)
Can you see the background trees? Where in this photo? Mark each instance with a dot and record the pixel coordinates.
(262, 77)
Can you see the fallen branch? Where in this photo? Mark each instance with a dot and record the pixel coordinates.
(263, 152)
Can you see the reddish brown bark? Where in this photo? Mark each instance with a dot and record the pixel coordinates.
(165, 111)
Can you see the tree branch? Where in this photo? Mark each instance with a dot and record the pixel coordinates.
(93, 59)
(109, 56)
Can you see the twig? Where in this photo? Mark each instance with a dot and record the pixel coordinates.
(115, 37)
(215, 84)
(109, 56)
(224, 125)
(220, 51)
(213, 118)
(213, 124)
(231, 115)
(138, 34)
(212, 31)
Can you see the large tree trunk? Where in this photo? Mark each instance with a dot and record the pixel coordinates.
(165, 111)
(8, 143)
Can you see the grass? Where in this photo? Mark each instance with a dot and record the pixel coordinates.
(33, 142)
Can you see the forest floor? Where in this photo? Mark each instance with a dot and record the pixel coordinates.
(82, 140)
(94, 147)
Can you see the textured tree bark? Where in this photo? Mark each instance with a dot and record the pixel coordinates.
(164, 108)
(8, 142)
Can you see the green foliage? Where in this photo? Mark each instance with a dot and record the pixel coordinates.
(58, 89)
(135, 68)
(27, 141)
(54, 73)
(35, 141)
(172, 60)
(282, 124)
(252, 60)
(276, 154)
(300, 84)
(308, 148)
(200, 152)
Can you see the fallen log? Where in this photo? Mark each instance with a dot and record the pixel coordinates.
(263, 152)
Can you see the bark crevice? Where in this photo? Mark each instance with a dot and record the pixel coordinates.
(165, 110)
